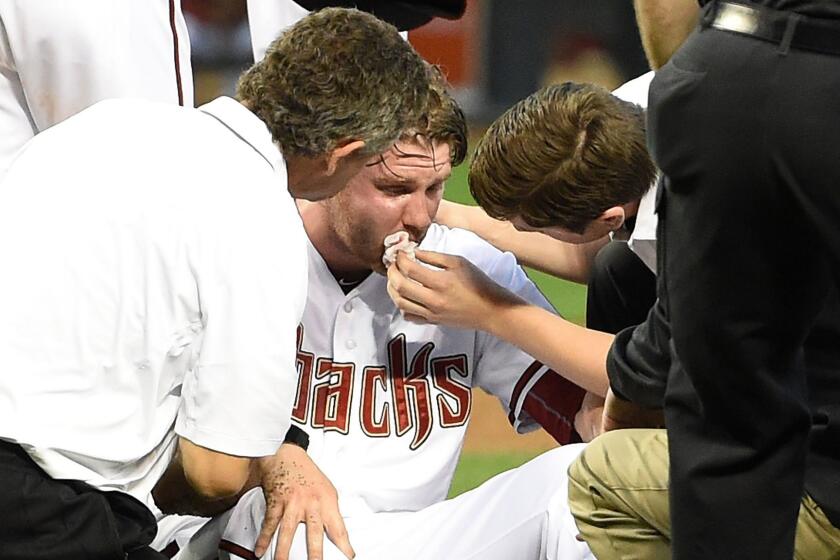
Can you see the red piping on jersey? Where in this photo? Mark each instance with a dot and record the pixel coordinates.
(520, 385)
(175, 49)
(237, 550)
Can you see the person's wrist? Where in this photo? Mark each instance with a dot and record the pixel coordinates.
(500, 314)
(296, 436)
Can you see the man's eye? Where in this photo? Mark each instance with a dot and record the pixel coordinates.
(394, 191)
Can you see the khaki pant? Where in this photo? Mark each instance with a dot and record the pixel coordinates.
(618, 493)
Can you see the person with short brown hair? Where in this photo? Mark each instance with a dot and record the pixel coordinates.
(563, 157)
(570, 162)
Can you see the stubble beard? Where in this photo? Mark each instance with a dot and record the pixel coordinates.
(356, 238)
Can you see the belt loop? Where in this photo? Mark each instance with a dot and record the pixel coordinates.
(710, 13)
(790, 28)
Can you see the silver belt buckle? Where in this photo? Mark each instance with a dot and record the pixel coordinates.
(735, 17)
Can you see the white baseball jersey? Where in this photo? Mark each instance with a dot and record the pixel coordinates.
(386, 404)
(152, 285)
(59, 57)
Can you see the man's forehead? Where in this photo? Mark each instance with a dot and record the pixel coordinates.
(413, 157)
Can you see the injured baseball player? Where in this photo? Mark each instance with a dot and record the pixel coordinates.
(386, 402)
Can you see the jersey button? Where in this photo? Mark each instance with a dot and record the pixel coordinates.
(348, 306)
(350, 344)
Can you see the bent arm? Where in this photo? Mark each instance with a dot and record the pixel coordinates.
(459, 294)
(578, 352)
(664, 25)
(203, 482)
(211, 473)
(564, 260)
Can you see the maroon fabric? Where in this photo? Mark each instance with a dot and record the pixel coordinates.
(552, 402)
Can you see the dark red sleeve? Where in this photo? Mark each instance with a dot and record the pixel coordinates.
(552, 401)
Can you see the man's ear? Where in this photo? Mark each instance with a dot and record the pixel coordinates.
(612, 218)
(342, 153)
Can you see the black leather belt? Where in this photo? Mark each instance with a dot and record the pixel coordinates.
(787, 29)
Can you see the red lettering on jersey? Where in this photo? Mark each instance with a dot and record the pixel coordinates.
(332, 399)
(411, 385)
(304, 363)
(444, 372)
(373, 376)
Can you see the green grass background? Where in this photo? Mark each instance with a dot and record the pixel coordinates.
(570, 301)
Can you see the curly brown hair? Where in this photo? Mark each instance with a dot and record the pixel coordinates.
(337, 75)
(443, 120)
(561, 157)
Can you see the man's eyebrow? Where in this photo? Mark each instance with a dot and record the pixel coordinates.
(392, 182)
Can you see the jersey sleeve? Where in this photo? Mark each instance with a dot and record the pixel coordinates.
(251, 273)
(267, 19)
(533, 394)
(68, 56)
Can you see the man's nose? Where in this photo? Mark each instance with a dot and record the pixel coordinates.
(416, 212)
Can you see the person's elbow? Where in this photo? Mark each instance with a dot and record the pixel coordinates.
(213, 475)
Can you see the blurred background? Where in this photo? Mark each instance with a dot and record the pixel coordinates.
(499, 52)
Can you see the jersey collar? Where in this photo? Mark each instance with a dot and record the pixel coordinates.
(247, 126)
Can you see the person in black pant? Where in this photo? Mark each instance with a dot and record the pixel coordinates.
(741, 125)
(621, 289)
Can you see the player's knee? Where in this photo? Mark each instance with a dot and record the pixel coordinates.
(593, 462)
(610, 459)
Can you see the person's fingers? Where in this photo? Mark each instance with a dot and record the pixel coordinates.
(415, 293)
(403, 290)
(314, 536)
(337, 533)
(273, 514)
(395, 281)
(434, 279)
(411, 310)
(288, 525)
(440, 260)
(395, 277)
